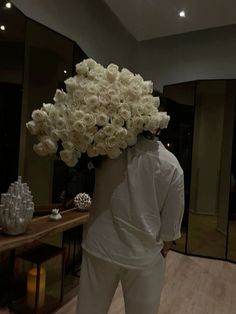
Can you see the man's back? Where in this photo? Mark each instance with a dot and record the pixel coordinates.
(134, 205)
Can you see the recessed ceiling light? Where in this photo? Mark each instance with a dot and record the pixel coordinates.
(8, 5)
(182, 14)
(3, 27)
(65, 71)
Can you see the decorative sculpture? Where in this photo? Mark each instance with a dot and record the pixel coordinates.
(55, 215)
(82, 201)
(16, 208)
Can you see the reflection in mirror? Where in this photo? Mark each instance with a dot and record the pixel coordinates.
(67, 182)
(11, 80)
(178, 138)
(11, 85)
(231, 251)
(48, 62)
(210, 181)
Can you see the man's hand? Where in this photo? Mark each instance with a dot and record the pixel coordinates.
(166, 247)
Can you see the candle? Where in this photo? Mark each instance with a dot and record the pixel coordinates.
(31, 287)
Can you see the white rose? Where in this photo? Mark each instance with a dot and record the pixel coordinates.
(138, 78)
(147, 87)
(137, 109)
(148, 109)
(67, 155)
(82, 147)
(153, 124)
(131, 138)
(40, 149)
(93, 130)
(92, 88)
(47, 107)
(111, 110)
(129, 124)
(79, 114)
(114, 153)
(101, 148)
(157, 102)
(117, 121)
(60, 96)
(91, 100)
(80, 126)
(63, 135)
(71, 84)
(135, 89)
(39, 115)
(60, 123)
(49, 146)
(138, 122)
(111, 141)
(123, 145)
(82, 82)
(108, 130)
(164, 120)
(90, 63)
(104, 99)
(121, 133)
(112, 72)
(86, 138)
(115, 100)
(126, 76)
(125, 114)
(99, 136)
(102, 119)
(104, 84)
(32, 127)
(55, 135)
(90, 120)
(82, 68)
(112, 91)
(68, 145)
(92, 151)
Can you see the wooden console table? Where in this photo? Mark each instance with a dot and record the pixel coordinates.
(41, 227)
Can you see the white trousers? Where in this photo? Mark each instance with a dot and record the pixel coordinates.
(99, 280)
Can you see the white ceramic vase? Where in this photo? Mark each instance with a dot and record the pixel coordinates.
(16, 208)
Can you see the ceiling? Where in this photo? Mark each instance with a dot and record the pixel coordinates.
(147, 19)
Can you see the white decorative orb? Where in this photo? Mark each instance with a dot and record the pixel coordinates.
(82, 201)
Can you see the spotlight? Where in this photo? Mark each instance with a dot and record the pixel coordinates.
(65, 71)
(182, 14)
(8, 5)
(3, 27)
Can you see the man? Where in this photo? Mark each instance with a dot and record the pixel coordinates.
(137, 212)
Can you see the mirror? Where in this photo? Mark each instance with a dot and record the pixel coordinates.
(12, 41)
(48, 62)
(231, 249)
(208, 176)
(35, 61)
(178, 138)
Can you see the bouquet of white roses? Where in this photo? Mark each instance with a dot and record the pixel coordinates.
(101, 113)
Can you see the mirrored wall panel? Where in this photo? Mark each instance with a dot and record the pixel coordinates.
(210, 178)
(231, 249)
(12, 41)
(178, 138)
(48, 62)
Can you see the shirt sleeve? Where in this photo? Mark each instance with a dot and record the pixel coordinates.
(173, 209)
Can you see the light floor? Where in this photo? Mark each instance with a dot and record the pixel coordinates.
(204, 238)
(192, 286)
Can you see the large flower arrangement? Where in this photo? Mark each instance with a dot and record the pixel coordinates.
(101, 113)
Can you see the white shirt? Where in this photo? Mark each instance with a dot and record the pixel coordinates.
(138, 202)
